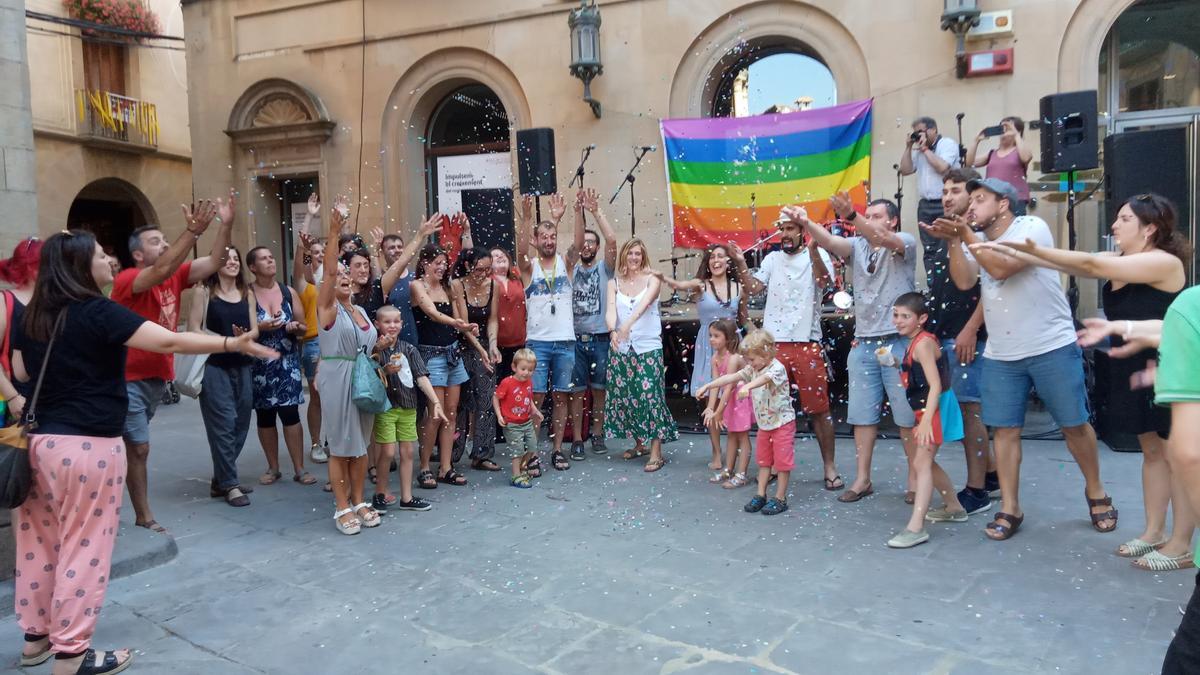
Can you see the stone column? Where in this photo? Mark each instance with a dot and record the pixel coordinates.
(18, 198)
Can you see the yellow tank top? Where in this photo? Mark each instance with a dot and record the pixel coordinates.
(308, 298)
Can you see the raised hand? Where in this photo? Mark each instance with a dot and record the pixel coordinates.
(591, 200)
(227, 210)
(314, 205)
(340, 213)
(430, 226)
(306, 240)
(946, 227)
(525, 207)
(558, 207)
(199, 215)
(377, 237)
(796, 213)
(842, 205)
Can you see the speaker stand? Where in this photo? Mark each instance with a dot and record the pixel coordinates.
(1072, 282)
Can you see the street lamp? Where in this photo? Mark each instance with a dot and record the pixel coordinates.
(958, 17)
(585, 48)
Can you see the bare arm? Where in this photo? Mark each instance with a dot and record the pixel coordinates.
(300, 271)
(610, 307)
(926, 354)
(197, 217)
(719, 383)
(196, 312)
(935, 160)
(524, 236)
(396, 270)
(820, 271)
(1151, 267)
(906, 160)
(653, 287)
(203, 268)
(973, 151)
(749, 282)
(326, 302)
(839, 246)
(152, 337)
(420, 298)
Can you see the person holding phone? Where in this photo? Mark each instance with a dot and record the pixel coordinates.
(1009, 161)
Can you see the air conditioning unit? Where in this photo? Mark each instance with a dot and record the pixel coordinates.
(992, 25)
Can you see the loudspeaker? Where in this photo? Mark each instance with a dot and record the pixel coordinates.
(535, 161)
(1070, 131)
(1156, 160)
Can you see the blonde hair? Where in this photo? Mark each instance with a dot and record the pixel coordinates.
(628, 246)
(758, 342)
(524, 354)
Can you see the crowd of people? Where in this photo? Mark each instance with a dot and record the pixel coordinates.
(465, 344)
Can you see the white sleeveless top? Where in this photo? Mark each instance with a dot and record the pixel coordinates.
(548, 304)
(645, 335)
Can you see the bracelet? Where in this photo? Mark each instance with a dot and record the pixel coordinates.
(1128, 329)
(850, 218)
(225, 345)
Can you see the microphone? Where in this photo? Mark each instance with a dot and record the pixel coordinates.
(648, 148)
(959, 116)
(591, 147)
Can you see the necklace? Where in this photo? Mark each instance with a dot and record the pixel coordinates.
(551, 282)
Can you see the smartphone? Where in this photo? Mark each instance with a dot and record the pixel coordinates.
(997, 130)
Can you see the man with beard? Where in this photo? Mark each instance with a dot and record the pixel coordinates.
(550, 328)
(883, 263)
(795, 279)
(152, 289)
(1031, 344)
(589, 294)
(956, 318)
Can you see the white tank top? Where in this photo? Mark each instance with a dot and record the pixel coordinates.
(548, 304)
(645, 335)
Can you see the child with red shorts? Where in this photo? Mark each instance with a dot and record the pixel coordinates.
(766, 382)
(925, 374)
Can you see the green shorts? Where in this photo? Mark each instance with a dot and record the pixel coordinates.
(397, 424)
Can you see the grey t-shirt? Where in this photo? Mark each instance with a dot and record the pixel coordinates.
(589, 297)
(874, 291)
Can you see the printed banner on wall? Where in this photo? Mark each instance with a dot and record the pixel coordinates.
(492, 170)
(717, 168)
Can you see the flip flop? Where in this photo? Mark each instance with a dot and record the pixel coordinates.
(305, 478)
(654, 465)
(270, 477)
(634, 453)
(153, 526)
(484, 465)
(835, 483)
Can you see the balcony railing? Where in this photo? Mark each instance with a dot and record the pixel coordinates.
(111, 117)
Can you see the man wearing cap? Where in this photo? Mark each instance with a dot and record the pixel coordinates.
(1031, 344)
(795, 278)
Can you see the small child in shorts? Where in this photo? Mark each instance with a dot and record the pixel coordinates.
(520, 418)
(403, 368)
(766, 382)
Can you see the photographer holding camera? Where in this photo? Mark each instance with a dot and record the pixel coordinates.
(930, 156)
(1008, 162)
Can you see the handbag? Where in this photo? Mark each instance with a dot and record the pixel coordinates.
(16, 476)
(189, 368)
(368, 389)
(951, 414)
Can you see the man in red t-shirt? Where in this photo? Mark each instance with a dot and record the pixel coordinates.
(152, 288)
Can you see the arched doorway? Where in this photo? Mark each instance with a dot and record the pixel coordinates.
(769, 75)
(111, 209)
(468, 162)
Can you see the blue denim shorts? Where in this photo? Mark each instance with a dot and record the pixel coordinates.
(1056, 375)
(310, 355)
(591, 363)
(869, 381)
(144, 397)
(965, 377)
(555, 365)
(442, 375)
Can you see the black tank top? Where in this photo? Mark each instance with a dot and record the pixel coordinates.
(479, 315)
(916, 386)
(222, 317)
(434, 333)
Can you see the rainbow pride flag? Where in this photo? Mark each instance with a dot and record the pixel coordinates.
(717, 167)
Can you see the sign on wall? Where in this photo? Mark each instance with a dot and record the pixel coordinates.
(456, 173)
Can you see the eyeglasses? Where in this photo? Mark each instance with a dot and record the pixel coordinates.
(478, 268)
(873, 260)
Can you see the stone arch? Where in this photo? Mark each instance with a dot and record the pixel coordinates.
(1079, 51)
(774, 25)
(275, 102)
(406, 118)
(111, 208)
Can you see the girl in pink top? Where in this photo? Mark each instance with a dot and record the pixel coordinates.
(1008, 162)
(725, 409)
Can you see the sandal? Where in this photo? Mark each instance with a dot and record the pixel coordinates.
(153, 526)
(534, 467)
(559, 461)
(426, 481)
(1157, 562)
(352, 526)
(1110, 514)
(1136, 548)
(371, 518)
(1002, 531)
(850, 496)
(738, 480)
(484, 465)
(634, 453)
(910, 497)
(101, 663)
(835, 483)
(453, 477)
(655, 464)
(720, 477)
(305, 478)
(270, 477)
(29, 660)
(235, 497)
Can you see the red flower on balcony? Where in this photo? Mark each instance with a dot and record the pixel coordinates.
(132, 15)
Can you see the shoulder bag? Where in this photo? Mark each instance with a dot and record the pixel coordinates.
(15, 473)
(189, 368)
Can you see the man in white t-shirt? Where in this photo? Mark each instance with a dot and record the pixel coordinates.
(550, 326)
(931, 156)
(1031, 343)
(795, 278)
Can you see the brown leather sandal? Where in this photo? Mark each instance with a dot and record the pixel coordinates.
(1003, 531)
(1110, 514)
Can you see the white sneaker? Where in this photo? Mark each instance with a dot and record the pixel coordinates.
(319, 454)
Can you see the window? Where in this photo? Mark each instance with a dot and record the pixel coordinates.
(104, 65)
(770, 80)
(1151, 58)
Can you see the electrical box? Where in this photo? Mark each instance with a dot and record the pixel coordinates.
(992, 25)
(992, 62)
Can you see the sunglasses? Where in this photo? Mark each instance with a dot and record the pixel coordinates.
(873, 260)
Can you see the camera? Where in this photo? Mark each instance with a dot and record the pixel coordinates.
(915, 136)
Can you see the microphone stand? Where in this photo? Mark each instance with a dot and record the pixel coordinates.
(962, 149)
(899, 196)
(754, 225)
(587, 152)
(674, 260)
(629, 178)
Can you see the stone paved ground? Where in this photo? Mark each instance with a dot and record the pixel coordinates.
(604, 569)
